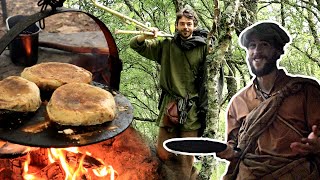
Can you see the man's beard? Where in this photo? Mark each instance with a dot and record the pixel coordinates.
(182, 34)
(267, 68)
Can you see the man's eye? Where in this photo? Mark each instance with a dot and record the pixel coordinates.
(265, 44)
(251, 45)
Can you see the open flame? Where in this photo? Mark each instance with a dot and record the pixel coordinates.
(75, 165)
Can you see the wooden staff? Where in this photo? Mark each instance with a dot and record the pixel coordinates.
(145, 29)
(160, 33)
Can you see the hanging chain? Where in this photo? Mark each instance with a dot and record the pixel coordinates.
(44, 4)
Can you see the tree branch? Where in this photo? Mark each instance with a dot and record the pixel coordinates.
(132, 9)
(307, 55)
(144, 119)
(297, 5)
(178, 4)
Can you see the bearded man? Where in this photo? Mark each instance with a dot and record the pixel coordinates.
(180, 59)
(272, 124)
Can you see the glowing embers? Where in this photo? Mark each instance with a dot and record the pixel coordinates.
(71, 164)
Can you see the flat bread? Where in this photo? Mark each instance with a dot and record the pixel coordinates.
(80, 104)
(19, 94)
(51, 75)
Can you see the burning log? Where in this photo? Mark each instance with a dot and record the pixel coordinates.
(11, 167)
(68, 164)
(52, 171)
(127, 153)
(88, 161)
(39, 158)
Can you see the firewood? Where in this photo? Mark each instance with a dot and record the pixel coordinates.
(11, 168)
(39, 158)
(54, 171)
(88, 161)
(51, 171)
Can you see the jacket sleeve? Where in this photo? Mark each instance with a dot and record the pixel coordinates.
(312, 104)
(233, 124)
(150, 48)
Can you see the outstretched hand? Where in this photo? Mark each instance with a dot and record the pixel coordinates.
(154, 34)
(310, 145)
(229, 153)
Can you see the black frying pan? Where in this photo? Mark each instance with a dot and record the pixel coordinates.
(196, 146)
(53, 135)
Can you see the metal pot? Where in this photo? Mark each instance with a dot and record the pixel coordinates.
(24, 48)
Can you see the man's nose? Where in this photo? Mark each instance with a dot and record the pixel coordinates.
(258, 48)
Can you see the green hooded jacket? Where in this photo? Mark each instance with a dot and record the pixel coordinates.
(177, 74)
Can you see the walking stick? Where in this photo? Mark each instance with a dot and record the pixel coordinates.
(144, 28)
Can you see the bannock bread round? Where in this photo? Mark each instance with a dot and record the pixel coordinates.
(81, 104)
(19, 94)
(51, 75)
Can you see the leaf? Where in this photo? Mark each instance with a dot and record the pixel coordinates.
(172, 28)
(131, 14)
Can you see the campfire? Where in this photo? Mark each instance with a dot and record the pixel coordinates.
(124, 157)
(75, 165)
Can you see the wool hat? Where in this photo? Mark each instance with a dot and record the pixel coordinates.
(267, 31)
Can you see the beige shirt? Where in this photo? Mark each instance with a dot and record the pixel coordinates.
(300, 110)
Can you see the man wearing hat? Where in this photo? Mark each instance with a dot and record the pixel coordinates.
(273, 123)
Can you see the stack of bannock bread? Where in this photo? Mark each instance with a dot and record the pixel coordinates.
(74, 101)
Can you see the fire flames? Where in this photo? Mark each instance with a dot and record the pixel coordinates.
(75, 164)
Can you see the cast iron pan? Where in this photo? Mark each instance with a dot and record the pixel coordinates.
(51, 135)
(194, 146)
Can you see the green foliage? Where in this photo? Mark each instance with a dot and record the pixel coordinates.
(296, 61)
(139, 78)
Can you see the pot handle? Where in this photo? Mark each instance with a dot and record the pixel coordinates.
(114, 62)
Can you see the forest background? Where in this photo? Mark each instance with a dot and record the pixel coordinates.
(227, 68)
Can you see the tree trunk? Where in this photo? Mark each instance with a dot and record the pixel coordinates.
(222, 29)
(178, 4)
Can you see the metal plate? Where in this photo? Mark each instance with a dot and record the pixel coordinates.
(194, 146)
(53, 137)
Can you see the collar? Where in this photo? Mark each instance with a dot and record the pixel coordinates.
(279, 82)
(198, 39)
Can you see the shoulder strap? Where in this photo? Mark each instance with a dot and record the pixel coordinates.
(258, 120)
(289, 125)
(262, 116)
